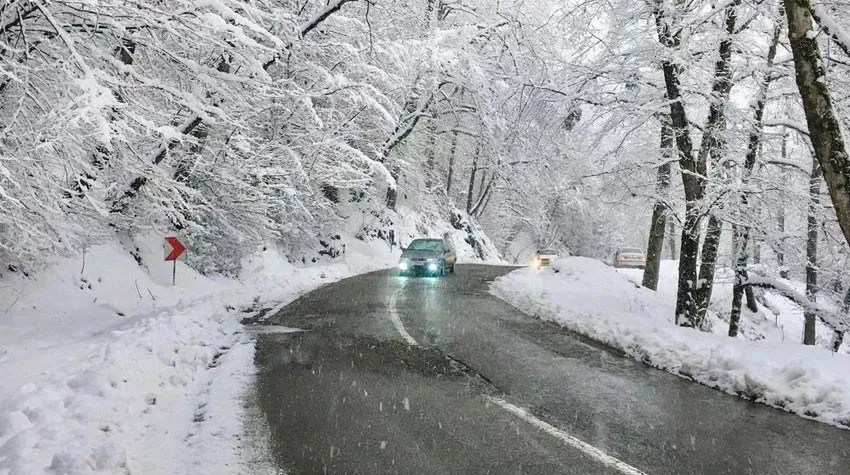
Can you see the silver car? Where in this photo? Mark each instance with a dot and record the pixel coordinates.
(630, 257)
(432, 257)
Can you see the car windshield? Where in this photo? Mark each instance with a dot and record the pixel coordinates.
(426, 245)
(547, 252)
(631, 250)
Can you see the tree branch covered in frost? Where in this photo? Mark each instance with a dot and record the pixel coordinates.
(832, 28)
(835, 320)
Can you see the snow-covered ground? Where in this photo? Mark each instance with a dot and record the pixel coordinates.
(105, 367)
(595, 300)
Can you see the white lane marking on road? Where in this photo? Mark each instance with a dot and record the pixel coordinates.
(523, 414)
(588, 449)
(393, 311)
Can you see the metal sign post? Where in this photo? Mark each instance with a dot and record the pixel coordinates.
(174, 250)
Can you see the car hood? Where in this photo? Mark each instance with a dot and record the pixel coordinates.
(419, 254)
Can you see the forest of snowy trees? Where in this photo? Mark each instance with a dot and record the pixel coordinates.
(709, 131)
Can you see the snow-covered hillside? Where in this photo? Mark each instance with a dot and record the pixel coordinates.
(595, 300)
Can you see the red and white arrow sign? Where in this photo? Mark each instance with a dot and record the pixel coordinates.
(174, 249)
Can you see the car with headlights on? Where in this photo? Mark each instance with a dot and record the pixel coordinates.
(429, 257)
(543, 258)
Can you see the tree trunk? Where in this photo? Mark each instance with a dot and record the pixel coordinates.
(430, 153)
(740, 244)
(713, 145)
(671, 239)
(694, 169)
(392, 192)
(741, 234)
(780, 252)
(693, 172)
(838, 337)
(429, 13)
(450, 174)
(708, 264)
(824, 128)
(655, 245)
(809, 333)
(740, 237)
(471, 189)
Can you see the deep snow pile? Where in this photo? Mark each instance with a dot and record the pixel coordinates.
(779, 321)
(107, 368)
(595, 300)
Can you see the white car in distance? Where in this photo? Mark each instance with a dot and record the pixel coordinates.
(543, 258)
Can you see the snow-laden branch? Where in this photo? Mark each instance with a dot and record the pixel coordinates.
(835, 320)
(833, 29)
(803, 129)
(69, 42)
(308, 26)
(329, 9)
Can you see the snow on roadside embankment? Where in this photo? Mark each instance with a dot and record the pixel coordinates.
(105, 367)
(594, 300)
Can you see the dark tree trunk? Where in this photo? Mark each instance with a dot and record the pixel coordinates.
(740, 238)
(430, 154)
(838, 338)
(686, 310)
(741, 234)
(694, 169)
(780, 251)
(471, 189)
(671, 239)
(713, 145)
(692, 173)
(824, 128)
(392, 192)
(741, 241)
(756, 252)
(708, 264)
(450, 174)
(655, 245)
(810, 331)
(429, 13)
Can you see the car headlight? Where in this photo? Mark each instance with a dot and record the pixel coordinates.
(403, 265)
(432, 266)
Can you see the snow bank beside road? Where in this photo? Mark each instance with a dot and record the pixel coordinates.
(593, 299)
(107, 368)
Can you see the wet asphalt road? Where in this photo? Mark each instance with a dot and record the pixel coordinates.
(352, 395)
